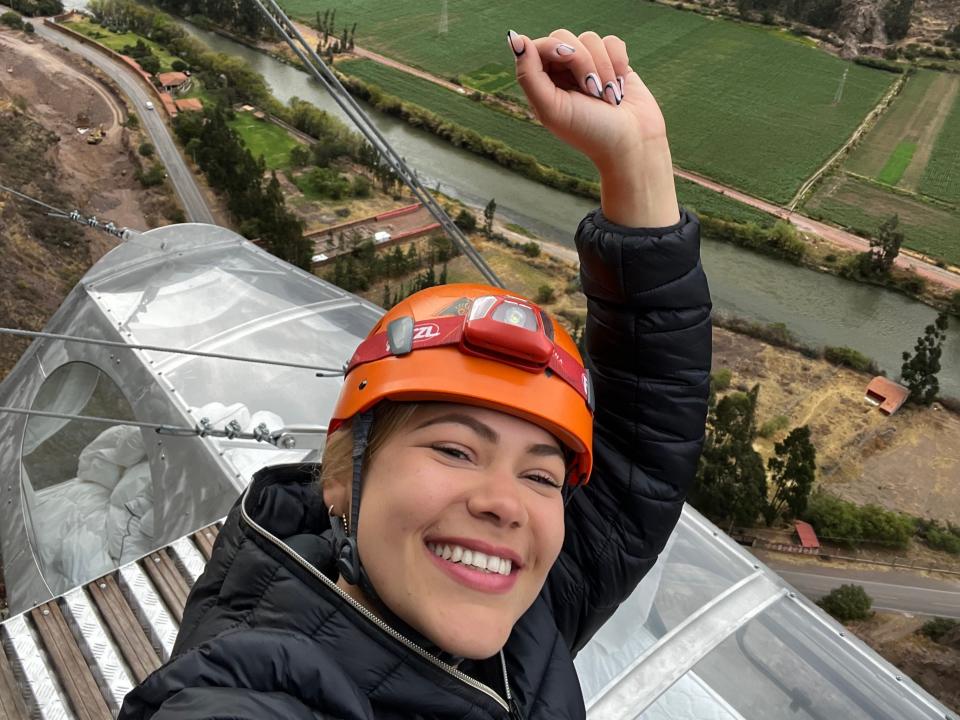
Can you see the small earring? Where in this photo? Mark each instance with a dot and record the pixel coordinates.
(343, 519)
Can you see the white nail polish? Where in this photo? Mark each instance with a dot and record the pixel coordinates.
(611, 93)
(564, 49)
(516, 43)
(593, 85)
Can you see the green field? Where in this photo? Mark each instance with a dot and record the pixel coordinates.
(863, 206)
(898, 161)
(264, 139)
(942, 177)
(526, 137)
(118, 41)
(743, 105)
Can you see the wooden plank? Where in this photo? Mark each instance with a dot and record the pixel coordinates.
(122, 623)
(11, 701)
(205, 539)
(171, 585)
(69, 664)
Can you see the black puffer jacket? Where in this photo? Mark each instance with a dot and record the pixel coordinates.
(267, 635)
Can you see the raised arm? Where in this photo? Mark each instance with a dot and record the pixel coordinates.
(648, 324)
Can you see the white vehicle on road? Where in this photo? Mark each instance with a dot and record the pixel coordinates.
(149, 105)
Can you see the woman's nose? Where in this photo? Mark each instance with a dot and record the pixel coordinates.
(498, 499)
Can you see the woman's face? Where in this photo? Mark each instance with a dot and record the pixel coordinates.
(459, 487)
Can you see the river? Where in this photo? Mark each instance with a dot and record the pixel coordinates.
(820, 309)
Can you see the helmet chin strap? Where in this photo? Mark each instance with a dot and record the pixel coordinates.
(348, 554)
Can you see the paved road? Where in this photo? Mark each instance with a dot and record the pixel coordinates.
(194, 204)
(897, 590)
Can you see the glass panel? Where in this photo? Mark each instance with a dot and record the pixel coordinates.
(195, 297)
(87, 486)
(693, 569)
(791, 666)
(297, 396)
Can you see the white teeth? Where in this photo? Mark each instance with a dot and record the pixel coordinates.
(479, 560)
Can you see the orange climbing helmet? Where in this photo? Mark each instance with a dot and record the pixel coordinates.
(476, 345)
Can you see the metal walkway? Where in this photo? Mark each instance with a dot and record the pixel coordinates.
(78, 655)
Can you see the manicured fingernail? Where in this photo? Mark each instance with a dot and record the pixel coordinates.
(593, 85)
(620, 80)
(612, 93)
(516, 43)
(564, 49)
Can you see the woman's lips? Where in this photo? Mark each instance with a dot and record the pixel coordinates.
(474, 578)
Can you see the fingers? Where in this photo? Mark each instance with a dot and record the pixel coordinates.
(617, 52)
(535, 82)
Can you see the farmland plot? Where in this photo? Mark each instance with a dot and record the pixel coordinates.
(743, 105)
(524, 136)
(942, 176)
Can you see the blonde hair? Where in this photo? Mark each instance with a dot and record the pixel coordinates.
(388, 418)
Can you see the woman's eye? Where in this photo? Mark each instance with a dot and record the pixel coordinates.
(545, 480)
(451, 452)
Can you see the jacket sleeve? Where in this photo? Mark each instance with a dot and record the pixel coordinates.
(648, 341)
(213, 703)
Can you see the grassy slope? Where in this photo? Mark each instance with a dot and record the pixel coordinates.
(743, 105)
(524, 136)
(942, 177)
(264, 139)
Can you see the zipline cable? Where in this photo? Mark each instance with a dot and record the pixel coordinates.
(321, 371)
(74, 215)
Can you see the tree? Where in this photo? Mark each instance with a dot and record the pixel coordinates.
(488, 213)
(847, 602)
(792, 472)
(896, 18)
(466, 221)
(731, 481)
(885, 247)
(919, 371)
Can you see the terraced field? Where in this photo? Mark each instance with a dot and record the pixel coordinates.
(524, 136)
(915, 150)
(744, 105)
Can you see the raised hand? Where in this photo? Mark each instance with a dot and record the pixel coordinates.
(584, 91)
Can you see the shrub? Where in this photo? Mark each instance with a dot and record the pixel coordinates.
(466, 221)
(361, 186)
(178, 66)
(133, 122)
(299, 155)
(955, 303)
(545, 295)
(847, 602)
(774, 425)
(830, 258)
(28, 28)
(848, 357)
(720, 379)
(146, 149)
(938, 627)
(531, 249)
(881, 64)
(849, 525)
(151, 177)
(12, 20)
(938, 537)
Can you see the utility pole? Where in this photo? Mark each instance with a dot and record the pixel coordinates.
(444, 21)
(843, 81)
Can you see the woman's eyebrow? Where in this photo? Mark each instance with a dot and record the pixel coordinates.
(542, 450)
(482, 429)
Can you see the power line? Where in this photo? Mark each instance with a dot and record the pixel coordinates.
(74, 215)
(321, 371)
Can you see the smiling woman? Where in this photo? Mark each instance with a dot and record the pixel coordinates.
(487, 498)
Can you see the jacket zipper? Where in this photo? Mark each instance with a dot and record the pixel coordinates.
(449, 669)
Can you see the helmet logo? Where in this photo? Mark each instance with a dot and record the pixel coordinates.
(427, 331)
